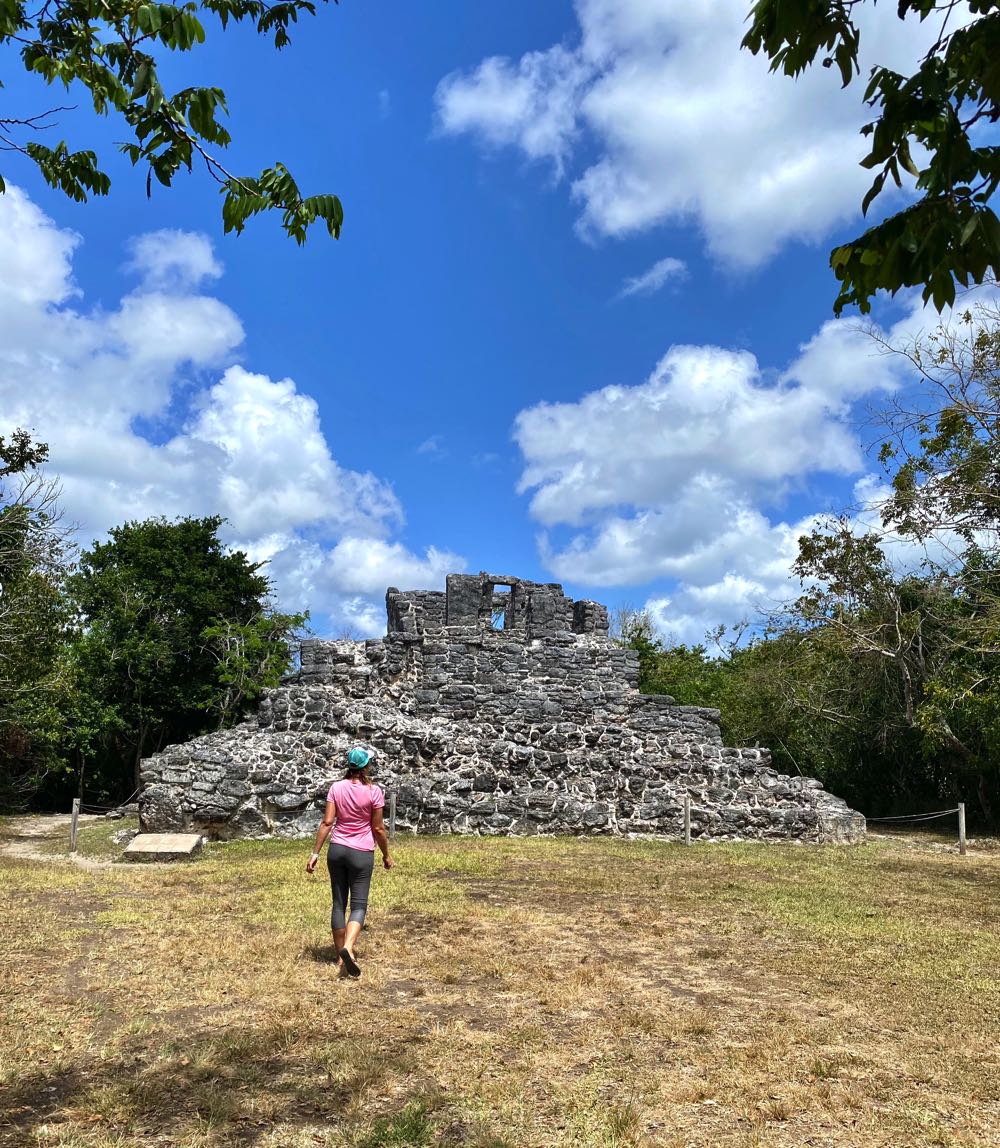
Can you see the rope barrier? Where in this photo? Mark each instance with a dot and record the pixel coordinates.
(917, 816)
(93, 807)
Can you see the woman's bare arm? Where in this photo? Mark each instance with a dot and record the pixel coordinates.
(381, 837)
(329, 817)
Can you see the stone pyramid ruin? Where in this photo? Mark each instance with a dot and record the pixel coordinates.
(499, 706)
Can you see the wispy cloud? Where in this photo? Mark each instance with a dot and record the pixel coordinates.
(431, 445)
(384, 103)
(653, 279)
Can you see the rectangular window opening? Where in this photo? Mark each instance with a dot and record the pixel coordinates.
(500, 612)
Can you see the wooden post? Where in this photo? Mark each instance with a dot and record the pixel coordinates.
(392, 815)
(73, 824)
(961, 828)
(687, 818)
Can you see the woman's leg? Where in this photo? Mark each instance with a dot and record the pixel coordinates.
(351, 934)
(360, 865)
(336, 862)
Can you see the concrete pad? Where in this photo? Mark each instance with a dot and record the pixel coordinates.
(163, 847)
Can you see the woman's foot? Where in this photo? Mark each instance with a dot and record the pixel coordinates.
(349, 963)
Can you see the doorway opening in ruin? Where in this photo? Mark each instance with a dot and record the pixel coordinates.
(500, 615)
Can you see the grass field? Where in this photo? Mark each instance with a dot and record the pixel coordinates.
(515, 993)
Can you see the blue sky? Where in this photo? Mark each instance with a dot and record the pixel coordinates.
(578, 327)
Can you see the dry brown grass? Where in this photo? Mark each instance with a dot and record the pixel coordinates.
(533, 992)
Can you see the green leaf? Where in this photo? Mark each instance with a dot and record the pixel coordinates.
(143, 78)
(873, 191)
(149, 18)
(991, 226)
(98, 45)
(905, 158)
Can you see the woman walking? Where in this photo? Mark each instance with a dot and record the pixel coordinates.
(354, 812)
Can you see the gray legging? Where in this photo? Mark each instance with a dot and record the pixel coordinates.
(350, 872)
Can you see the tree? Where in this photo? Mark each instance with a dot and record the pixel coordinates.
(636, 630)
(19, 453)
(178, 634)
(945, 445)
(114, 51)
(921, 653)
(905, 663)
(249, 657)
(932, 118)
(764, 685)
(942, 452)
(34, 616)
(830, 687)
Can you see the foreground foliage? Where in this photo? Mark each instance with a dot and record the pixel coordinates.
(930, 125)
(115, 53)
(544, 992)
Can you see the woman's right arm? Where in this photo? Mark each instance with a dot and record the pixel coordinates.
(381, 837)
(329, 817)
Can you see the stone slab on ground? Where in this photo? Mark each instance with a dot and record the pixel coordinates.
(163, 846)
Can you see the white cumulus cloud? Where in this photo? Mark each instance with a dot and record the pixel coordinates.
(706, 416)
(173, 259)
(687, 127)
(147, 411)
(531, 104)
(36, 272)
(681, 479)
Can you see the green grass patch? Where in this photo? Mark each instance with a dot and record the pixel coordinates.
(95, 841)
(410, 1128)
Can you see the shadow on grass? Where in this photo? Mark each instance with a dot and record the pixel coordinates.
(322, 954)
(240, 1084)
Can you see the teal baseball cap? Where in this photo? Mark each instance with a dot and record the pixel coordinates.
(358, 758)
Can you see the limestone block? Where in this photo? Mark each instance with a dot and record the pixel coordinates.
(234, 788)
(161, 808)
(163, 847)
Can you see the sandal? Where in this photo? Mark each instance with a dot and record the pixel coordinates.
(352, 966)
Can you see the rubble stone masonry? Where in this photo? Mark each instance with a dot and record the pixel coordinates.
(497, 707)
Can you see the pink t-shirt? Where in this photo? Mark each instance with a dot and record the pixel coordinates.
(355, 804)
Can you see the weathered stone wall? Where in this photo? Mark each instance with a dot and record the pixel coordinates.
(490, 711)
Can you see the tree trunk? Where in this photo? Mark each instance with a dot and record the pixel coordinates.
(139, 743)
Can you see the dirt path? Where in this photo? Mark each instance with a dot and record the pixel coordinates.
(21, 837)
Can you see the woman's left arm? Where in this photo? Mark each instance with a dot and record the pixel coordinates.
(329, 817)
(381, 837)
